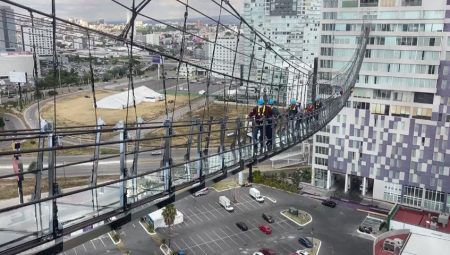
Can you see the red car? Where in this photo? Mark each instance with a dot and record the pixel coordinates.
(266, 251)
(265, 229)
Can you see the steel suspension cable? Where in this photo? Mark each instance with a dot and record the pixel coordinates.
(208, 83)
(91, 71)
(183, 41)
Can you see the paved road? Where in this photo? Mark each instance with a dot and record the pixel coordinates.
(12, 122)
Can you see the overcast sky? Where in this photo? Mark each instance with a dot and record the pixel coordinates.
(108, 10)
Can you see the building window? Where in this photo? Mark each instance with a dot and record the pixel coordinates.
(400, 111)
(321, 161)
(411, 2)
(368, 3)
(321, 150)
(412, 195)
(423, 98)
(322, 139)
(382, 94)
(422, 113)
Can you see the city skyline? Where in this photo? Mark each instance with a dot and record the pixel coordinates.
(111, 12)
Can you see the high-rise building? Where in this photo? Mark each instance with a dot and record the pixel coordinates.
(8, 38)
(223, 57)
(391, 141)
(42, 40)
(293, 28)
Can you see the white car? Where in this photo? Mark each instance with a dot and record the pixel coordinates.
(258, 253)
(301, 252)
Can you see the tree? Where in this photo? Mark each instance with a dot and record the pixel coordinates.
(169, 212)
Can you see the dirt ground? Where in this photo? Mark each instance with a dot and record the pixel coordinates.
(79, 110)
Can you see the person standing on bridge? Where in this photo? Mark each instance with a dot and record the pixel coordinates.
(260, 113)
(292, 113)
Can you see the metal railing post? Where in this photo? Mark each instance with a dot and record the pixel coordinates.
(187, 156)
(53, 188)
(167, 158)
(94, 172)
(222, 143)
(123, 163)
(134, 168)
(199, 151)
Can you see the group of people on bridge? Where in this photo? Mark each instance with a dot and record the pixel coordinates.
(266, 116)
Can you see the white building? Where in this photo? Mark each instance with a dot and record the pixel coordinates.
(42, 40)
(223, 54)
(152, 39)
(391, 141)
(18, 63)
(292, 29)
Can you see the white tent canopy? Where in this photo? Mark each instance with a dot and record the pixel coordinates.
(119, 100)
(158, 220)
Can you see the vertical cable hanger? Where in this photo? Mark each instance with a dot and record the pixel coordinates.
(183, 41)
(234, 66)
(262, 70)
(208, 83)
(250, 67)
(91, 71)
(130, 67)
(55, 63)
(35, 70)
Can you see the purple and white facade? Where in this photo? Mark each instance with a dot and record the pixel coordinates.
(393, 136)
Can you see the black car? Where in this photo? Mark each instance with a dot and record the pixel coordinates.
(365, 229)
(329, 203)
(305, 242)
(242, 226)
(268, 218)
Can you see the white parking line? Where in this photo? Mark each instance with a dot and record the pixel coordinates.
(207, 243)
(216, 209)
(187, 246)
(84, 248)
(101, 239)
(220, 238)
(95, 248)
(194, 214)
(198, 245)
(227, 236)
(209, 211)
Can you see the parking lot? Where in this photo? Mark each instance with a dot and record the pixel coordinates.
(99, 245)
(209, 229)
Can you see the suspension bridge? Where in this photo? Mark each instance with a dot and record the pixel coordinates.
(191, 152)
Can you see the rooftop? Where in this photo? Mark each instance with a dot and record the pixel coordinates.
(422, 244)
(419, 217)
(378, 249)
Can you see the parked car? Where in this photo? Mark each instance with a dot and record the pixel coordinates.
(365, 229)
(265, 229)
(242, 226)
(268, 218)
(201, 192)
(258, 253)
(329, 203)
(181, 252)
(305, 242)
(267, 251)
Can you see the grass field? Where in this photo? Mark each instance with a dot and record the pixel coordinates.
(216, 111)
(9, 186)
(78, 110)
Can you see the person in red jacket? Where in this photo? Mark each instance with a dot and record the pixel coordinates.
(260, 113)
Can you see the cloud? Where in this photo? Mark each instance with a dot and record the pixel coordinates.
(107, 9)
